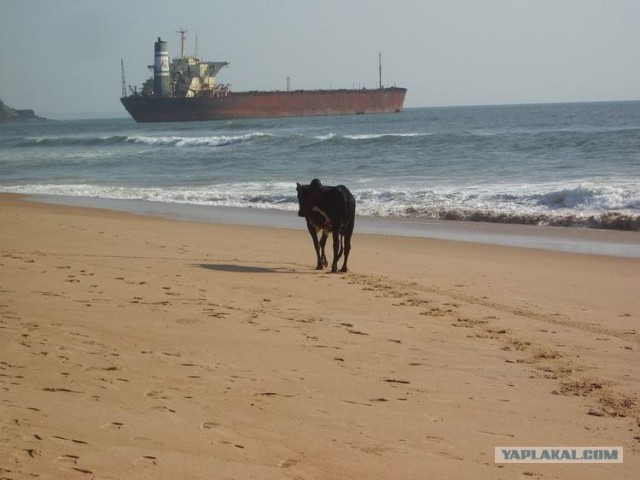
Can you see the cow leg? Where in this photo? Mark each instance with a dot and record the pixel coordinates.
(323, 258)
(316, 246)
(341, 246)
(347, 245)
(336, 250)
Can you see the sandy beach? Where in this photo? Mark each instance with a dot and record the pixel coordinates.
(135, 347)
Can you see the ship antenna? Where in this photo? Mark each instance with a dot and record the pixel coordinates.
(196, 54)
(124, 82)
(380, 70)
(183, 42)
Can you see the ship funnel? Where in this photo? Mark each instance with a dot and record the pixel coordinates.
(161, 69)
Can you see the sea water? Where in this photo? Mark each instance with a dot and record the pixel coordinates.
(575, 165)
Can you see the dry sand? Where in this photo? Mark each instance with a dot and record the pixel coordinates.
(137, 347)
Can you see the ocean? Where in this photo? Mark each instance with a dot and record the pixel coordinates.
(572, 165)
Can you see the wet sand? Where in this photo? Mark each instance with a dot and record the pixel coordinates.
(140, 347)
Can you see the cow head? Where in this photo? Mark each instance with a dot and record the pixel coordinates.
(304, 205)
(304, 197)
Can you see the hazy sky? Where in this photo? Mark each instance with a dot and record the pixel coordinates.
(62, 57)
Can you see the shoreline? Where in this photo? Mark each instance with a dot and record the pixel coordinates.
(564, 239)
(140, 347)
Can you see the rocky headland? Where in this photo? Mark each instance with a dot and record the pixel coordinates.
(9, 114)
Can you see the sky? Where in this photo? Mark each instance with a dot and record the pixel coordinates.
(62, 57)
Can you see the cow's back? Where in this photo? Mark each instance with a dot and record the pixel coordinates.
(337, 202)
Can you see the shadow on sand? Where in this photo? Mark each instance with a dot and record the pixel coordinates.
(226, 267)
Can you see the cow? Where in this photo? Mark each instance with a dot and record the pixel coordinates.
(328, 209)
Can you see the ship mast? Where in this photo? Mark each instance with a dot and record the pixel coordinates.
(124, 82)
(380, 70)
(183, 42)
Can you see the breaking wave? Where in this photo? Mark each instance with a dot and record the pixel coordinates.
(48, 142)
(582, 205)
(369, 136)
(96, 141)
(210, 141)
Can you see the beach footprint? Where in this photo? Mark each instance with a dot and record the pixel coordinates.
(148, 460)
(68, 460)
(210, 425)
(288, 463)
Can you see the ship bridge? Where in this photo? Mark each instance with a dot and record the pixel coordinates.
(190, 76)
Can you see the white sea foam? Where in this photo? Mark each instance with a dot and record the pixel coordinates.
(208, 141)
(257, 195)
(368, 136)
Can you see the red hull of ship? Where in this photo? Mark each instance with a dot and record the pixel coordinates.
(265, 104)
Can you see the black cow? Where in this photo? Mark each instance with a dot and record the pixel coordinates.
(328, 209)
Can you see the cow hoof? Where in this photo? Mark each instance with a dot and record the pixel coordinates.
(343, 269)
(319, 267)
(334, 270)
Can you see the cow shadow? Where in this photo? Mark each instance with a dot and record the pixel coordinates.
(228, 267)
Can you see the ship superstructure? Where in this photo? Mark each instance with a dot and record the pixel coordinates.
(185, 77)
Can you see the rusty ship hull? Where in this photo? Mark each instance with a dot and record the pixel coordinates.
(236, 105)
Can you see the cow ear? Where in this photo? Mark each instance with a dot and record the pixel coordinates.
(298, 186)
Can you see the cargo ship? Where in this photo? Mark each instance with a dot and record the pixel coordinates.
(185, 90)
